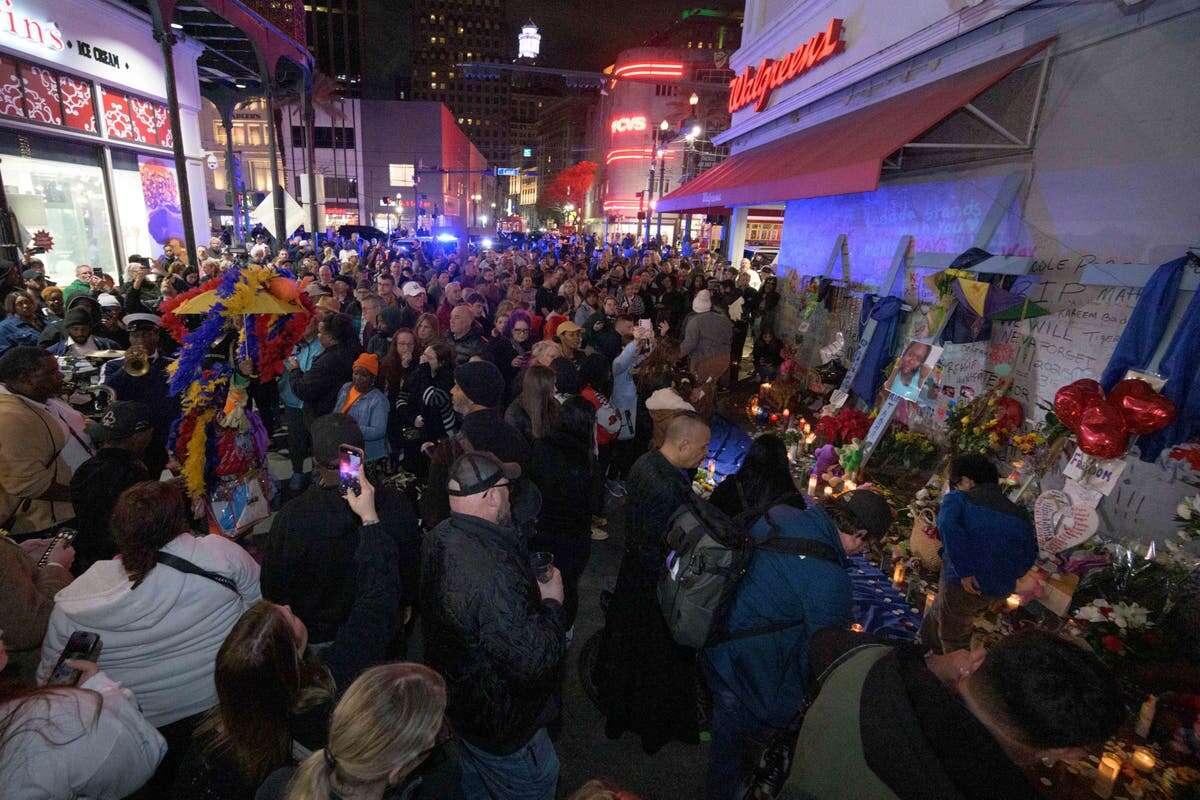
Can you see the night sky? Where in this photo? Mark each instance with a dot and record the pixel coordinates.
(587, 34)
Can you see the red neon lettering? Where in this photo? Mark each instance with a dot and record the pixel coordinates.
(755, 84)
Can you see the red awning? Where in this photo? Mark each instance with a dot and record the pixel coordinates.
(842, 155)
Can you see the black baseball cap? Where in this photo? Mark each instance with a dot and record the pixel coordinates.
(331, 432)
(120, 420)
(476, 472)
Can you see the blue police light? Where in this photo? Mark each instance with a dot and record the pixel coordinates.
(447, 237)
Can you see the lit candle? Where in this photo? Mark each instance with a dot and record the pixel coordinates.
(850, 486)
(812, 485)
(930, 595)
(712, 470)
(810, 438)
(829, 491)
(787, 412)
(1106, 775)
(898, 573)
(856, 627)
(1143, 759)
(1013, 602)
(774, 418)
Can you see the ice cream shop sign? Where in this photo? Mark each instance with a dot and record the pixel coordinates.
(14, 22)
(755, 84)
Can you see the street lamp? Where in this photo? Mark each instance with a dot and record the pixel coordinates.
(664, 126)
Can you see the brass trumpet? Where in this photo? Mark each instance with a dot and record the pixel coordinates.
(137, 362)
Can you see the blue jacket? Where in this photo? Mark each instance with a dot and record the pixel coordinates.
(624, 393)
(371, 414)
(15, 331)
(305, 353)
(768, 672)
(986, 536)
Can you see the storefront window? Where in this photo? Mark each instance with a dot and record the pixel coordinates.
(58, 187)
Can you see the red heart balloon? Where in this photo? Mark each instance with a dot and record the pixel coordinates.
(1144, 410)
(1010, 413)
(1071, 400)
(1102, 431)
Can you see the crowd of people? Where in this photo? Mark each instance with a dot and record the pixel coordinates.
(503, 402)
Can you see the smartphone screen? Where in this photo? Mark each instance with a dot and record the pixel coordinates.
(83, 645)
(349, 467)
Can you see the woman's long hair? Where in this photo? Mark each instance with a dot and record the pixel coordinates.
(391, 368)
(25, 711)
(577, 422)
(764, 477)
(147, 516)
(537, 398)
(262, 680)
(432, 320)
(388, 720)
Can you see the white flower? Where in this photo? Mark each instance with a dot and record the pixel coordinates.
(1097, 611)
(1130, 615)
(1183, 510)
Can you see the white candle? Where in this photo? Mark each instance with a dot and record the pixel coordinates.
(812, 485)
(829, 491)
(1143, 759)
(1106, 775)
(899, 573)
(850, 486)
(712, 470)
(1013, 602)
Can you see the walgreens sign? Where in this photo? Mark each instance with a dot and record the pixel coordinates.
(755, 84)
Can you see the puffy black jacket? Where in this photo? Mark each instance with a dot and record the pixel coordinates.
(499, 646)
(308, 559)
(319, 387)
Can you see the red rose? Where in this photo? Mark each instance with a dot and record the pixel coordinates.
(1113, 644)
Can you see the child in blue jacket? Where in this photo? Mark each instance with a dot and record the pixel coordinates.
(988, 543)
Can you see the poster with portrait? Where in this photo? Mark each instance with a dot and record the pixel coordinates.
(913, 376)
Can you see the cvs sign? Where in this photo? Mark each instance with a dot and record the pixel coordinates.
(624, 124)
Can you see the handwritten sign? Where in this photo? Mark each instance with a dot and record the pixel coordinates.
(1060, 523)
(963, 375)
(1095, 474)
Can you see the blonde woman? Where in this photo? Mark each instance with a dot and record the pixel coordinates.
(387, 725)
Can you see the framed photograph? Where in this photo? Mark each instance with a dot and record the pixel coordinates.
(911, 378)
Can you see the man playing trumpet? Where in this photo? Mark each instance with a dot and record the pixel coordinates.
(142, 376)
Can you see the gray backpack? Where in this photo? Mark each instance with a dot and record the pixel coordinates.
(709, 554)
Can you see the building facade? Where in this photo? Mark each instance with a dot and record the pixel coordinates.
(1059, 138)
(650, 86)
(369, 175)
(448, 33)
(85, 140)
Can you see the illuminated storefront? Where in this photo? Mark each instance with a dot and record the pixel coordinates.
(85, 141)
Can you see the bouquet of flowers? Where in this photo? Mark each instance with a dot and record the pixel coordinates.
(907, 450)
(982, 425)
(1187, 514)
(843, 427)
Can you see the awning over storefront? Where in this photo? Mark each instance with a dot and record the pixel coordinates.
(842, 155)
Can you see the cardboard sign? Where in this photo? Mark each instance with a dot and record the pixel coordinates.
(1060, 523)
(1095, 474)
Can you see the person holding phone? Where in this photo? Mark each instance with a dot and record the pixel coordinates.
(87, 739)
(28, 596)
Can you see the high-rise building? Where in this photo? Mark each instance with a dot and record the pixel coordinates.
(529, 42)
(446, 33)
(334, 30)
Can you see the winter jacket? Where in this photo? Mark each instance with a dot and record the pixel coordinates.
(987, 536)
(664, 405)
(486, 430)
(498, 645)
(608, 419)
(706, 335)
(471, 344)
(884, 727)
(319, 386)
(624, 393)
(306, 353)
(308, 555)
(25, 604)
(32, 441)
(645, 680)
(88, 742)
(152, 389)
(95, 487)
(101, 343)
(797, 596)
(370, 411)
(159, 640)
(75, 288)
(561, 468)
(15, 332)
